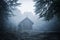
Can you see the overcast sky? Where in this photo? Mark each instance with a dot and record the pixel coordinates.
(26, 6)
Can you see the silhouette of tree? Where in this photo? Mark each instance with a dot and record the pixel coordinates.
(47, 8)
(6, 6)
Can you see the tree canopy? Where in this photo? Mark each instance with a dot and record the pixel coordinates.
(47, 8)
(6, 6)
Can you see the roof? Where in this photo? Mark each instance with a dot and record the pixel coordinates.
(26, 19)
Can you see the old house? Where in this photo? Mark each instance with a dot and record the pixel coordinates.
(25, 25)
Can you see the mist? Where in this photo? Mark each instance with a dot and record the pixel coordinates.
(29, 19)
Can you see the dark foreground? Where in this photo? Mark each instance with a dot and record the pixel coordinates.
(26, 36)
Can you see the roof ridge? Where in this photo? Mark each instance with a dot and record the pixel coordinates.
(26, 19)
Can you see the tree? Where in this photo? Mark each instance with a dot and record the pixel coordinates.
(6, 6)
(47, 8)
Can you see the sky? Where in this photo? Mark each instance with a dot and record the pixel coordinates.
(26, 5)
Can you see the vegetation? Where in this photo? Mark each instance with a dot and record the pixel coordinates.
(47, 8)
(6, 6)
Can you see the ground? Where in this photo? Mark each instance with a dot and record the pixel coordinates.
(26, 36)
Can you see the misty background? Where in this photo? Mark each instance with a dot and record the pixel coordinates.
(26, 10)
(44, 14)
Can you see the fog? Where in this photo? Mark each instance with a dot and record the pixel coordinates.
(27, 10)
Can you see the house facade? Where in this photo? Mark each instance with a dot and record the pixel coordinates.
(25, 25)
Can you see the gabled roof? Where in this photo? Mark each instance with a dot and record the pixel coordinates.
(26, 19)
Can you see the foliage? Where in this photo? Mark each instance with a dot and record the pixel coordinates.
(47, 8)
(6, 6)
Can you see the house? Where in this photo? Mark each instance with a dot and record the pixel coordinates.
(25, 25)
